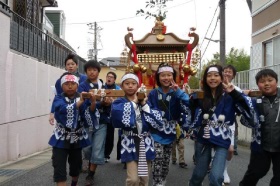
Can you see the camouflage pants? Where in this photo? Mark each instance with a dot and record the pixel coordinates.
(160, 165)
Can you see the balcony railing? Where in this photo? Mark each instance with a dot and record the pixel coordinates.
(30, 40)
(246, 79)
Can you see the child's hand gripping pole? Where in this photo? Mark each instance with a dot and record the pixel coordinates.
(142, 94)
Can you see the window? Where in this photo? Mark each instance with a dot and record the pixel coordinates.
(268, 54)
(271, 52)
(276, 49)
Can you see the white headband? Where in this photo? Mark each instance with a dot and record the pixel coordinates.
(69, 77)
(129, 76)
(213, 69)
(165, 69)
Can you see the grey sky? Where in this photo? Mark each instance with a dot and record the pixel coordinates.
(114, 17)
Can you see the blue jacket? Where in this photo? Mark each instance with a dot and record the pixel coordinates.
(266, 134)
(105, 111)
(175, 109)
(124, 117)
(69, 131)
(222, 117)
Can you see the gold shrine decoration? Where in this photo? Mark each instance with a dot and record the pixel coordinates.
(189, 69)
(160, 37)
(196, 56)
(136, 68)
(157, 58)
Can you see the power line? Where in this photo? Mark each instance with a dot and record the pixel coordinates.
(209, 26)
(210, 38)
(178, 5)
(120, 19)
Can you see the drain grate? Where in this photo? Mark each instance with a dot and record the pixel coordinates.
(10, 172)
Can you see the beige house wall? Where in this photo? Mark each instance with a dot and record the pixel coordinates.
(266, 24)
(120, 71)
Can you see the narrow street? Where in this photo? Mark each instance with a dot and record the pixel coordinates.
(113, 174)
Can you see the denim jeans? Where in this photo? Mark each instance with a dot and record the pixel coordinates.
(95, 152)
(203, 159)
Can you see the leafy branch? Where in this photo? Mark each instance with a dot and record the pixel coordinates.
(158, 6)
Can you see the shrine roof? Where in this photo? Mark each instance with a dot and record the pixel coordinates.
(170, 39)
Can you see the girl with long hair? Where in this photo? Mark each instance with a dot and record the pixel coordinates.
(212, 118)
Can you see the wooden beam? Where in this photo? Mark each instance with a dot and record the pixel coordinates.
(196, 93)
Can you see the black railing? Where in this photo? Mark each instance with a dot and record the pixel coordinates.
(4, 8)
(30, 40)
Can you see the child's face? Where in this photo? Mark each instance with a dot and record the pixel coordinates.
(71, 66)
(267, 85)
(92, 73)
(213, 79)
(110, 79)
(69, 88)
(228, 73)
(130, 87)
(165, 79)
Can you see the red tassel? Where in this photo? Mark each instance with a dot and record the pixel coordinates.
(186, 78)
(189, 49)
(163, 29)
(134, 59)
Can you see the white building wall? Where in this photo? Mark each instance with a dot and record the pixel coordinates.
(25, 100)
(256, 56)
(244, 133)
(256, 62)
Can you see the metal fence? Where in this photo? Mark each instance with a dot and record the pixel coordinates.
(246, 79)
(30, 40)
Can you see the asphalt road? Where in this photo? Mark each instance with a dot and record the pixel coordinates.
(113, 174)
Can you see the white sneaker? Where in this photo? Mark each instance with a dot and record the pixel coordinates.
(226, 177)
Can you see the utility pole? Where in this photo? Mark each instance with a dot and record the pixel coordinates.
(222, 32)
(94, 51)
(95, 41)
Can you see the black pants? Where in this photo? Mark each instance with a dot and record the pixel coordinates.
(109, 144)
(258, 167)
(59, 160)
(119, 147)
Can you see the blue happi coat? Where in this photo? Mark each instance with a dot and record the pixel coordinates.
(175, 109)
(69, 131)
(123, 116)
(104, 111)
(260, 104)
(219, 132)
(256, 133)
(58, 87)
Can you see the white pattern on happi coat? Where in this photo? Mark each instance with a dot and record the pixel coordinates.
(70, 115)
(126, 114)
(169, 126)
(219, 128)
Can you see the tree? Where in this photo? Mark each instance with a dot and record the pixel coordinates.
(194, 82)
(237, 58)
(158, 6)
